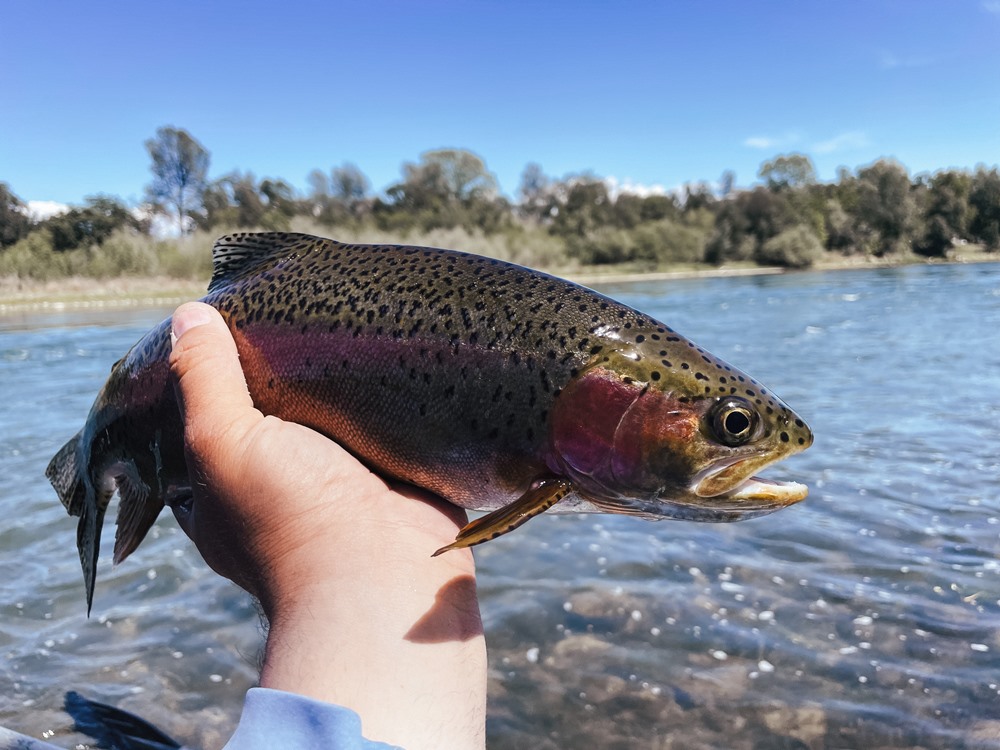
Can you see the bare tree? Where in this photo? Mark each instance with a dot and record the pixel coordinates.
(180, 169)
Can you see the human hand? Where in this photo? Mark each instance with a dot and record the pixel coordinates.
(360, 613)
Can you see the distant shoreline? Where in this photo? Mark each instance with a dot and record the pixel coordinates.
(78, 293)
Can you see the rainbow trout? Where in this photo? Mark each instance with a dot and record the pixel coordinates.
(496, 387)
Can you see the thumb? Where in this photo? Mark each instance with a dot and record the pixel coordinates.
(209, 384)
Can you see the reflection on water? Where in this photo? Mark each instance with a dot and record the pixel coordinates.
(866, 617)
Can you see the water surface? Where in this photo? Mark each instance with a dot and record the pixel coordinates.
(866, 617)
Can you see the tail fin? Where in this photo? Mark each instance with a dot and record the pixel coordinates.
(88, 543)
(113, 728)
(68, 477)
(64, 472)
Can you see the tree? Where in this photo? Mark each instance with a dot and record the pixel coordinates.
(446, 188)
(697, 196)
(279, 196)
(768, 213)
(788, 172)
(464, 174)
(841, 229)
(90, 225)
(746, 222)
(533, 192)
(238, 200)
(886, 205)
(946, 212)
(180, 174)
(586, 208)
(726, 183)
(350, 185)
(984, 198)
(14, 220)
(628, 210)
(319, 184)
(657, 207)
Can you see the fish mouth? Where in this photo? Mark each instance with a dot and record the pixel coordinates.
(769, 492)
(751, 498)
(732, 486)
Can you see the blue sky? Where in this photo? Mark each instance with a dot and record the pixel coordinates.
(651, 93)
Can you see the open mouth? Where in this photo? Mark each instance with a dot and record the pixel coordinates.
(723, 493)
(730, 482)
(767, 492)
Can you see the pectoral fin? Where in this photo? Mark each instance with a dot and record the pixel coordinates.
(535, 501)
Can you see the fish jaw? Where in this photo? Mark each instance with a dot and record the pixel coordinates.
(752, 498)
(731, 481)
(767, 492)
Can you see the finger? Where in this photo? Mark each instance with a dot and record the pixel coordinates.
(208, 380)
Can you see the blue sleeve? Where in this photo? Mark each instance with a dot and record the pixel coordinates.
(274, 718)
(13, 741)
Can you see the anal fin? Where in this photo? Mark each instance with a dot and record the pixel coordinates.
(535, 501)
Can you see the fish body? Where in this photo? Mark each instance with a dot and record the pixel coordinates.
(497, 387)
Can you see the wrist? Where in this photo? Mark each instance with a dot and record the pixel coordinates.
(394, 641)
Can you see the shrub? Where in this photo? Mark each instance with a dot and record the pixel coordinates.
(797, 247)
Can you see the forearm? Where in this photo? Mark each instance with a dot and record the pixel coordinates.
(389, 632)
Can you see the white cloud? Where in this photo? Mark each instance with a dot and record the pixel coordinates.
(992, 6)
(618, 187)
(843, 142)
(766, 142)
(40, 210)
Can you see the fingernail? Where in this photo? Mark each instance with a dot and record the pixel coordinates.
(187, 317)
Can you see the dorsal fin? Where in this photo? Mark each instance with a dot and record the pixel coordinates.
(237, 255)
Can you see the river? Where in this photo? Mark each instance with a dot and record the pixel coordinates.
(865, 617)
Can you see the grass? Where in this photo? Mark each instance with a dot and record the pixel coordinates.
(131, 269)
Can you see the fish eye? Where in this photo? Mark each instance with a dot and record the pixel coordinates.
(733, 421)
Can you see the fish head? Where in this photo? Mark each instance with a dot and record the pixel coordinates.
(672, 432)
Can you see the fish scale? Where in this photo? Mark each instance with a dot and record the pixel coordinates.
(497, 387)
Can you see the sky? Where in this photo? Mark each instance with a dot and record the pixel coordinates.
(647, 93)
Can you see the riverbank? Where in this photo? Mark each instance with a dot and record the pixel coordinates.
(19, 295)
(26, 295)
